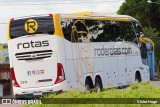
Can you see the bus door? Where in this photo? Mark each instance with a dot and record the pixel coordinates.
(113, 65)
(114, 70)
(147, 55)
(122, 68)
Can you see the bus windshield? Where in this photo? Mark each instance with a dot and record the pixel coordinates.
(33, 25)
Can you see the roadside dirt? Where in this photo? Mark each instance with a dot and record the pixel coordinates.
(155, 83)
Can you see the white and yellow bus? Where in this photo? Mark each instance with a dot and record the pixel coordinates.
(59, 52)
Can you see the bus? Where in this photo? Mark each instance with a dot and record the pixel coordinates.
(60, 52)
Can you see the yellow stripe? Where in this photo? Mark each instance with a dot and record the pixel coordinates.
(126, 19)
(8, 30)
(144, 40)
(92, 17)
(57, 26)
(84, 13)
(102, 18)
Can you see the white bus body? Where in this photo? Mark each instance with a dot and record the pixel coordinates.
(44, 63)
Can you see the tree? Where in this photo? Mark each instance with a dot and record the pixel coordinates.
(147, 13)
(149, 16)
(152, 34)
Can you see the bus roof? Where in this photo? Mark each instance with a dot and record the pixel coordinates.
(90, 16)
(99, 16)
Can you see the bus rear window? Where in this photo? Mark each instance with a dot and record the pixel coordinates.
(33, 25)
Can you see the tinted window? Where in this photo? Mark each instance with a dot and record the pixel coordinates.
(5, 46)
(138, 28)
(37, 25)
(128, 32)
(97, 30)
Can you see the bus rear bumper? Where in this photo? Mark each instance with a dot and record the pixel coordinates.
(34, 92)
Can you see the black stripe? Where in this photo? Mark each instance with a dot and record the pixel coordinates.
(34, 58)
(44, 54)
(45, 80)
(33, 52)
(23, 56)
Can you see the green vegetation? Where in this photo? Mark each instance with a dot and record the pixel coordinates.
(152, 34)
(146, 13)
(149, 15)
(137, 90)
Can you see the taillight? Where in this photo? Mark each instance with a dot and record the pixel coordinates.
(60, 73)
(51, 15)
(12, 19)
(14, 81)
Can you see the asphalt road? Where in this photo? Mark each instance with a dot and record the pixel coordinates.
(155, 82)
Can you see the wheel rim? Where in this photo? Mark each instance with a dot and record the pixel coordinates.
(87, 87)
(98, 89)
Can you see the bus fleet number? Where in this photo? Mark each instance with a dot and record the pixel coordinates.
(23, 82)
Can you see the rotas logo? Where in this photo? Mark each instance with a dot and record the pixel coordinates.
(31, 26)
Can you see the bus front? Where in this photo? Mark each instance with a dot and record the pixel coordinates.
(35, 69)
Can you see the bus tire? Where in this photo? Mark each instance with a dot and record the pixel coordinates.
(88, 85)
(138, 76)
(98, 85)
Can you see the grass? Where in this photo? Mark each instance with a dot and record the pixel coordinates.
(137, 90)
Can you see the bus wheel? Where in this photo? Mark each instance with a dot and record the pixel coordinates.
(138, 76)
(88, 85)
(98, 85)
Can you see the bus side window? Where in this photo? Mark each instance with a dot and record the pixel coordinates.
(130, 33)
(66, 28)
(98, 31)
(139, 30)
(109, 32)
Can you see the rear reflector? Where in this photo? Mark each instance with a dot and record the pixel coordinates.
(60, 91)
(16, 95)
(14, 81)
(60, 73)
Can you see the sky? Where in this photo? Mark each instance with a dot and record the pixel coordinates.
(19, 8)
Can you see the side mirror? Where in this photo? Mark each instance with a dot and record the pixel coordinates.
(141, 34)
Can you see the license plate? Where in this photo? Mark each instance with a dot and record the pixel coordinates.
(37, 93)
